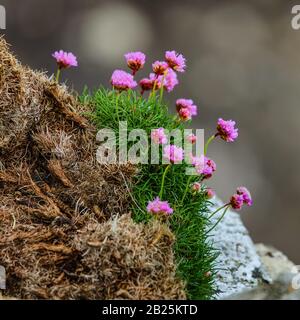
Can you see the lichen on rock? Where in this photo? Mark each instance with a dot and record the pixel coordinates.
(238, 264)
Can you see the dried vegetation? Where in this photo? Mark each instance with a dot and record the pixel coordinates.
(65, 230)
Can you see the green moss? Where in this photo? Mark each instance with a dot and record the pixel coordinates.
(194, 254)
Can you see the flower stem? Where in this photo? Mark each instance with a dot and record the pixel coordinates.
(117, 106)
(216, 211)
(163, 181)
(161, 94)
(162, 88)
(128, 96)
(153, 90)
(208, 143)
(58, 75)
(186, 188)
(219, 220)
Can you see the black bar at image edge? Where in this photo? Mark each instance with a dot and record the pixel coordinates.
(119, 309)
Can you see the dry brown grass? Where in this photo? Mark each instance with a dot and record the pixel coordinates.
(63, 234)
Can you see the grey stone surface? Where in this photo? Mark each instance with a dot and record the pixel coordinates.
(285, 278)
(280, 289)
(274, 261)
(238, 266)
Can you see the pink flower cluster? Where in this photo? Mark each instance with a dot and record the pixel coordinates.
(170, 80)
(158, 136)
(186, 109)
(159, 207)
(163, 75)
(160, 67)
(196, 187)
(204, 166)
(173, 153)
(244, 192)
(209, 168)
(122, 80)
(65, 59)
(155, 81)
(209, 193)
(191, 138)
(135, 61)
(241, 197)
(175, 61)
(226, 130)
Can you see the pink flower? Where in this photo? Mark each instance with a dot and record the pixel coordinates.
(170, 80)
(184, 114)
(244, 192)
(146, 84)
(196, 187)
(122, 80)
(191, 138)
(209, 192)
(205, 167)
(158, 136)
(186, 104)
(226, 130)
(197, 161)
(159, 207)
(135, 61)
(236, 201)
(65, 59)
(157, 80)
(160, 67)
(175, 61)
(173, 153)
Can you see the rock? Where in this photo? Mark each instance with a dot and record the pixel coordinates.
(275, 261)
(250, 272)
(280, 289)
(238, 266)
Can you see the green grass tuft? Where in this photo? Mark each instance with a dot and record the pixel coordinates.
(194, 254)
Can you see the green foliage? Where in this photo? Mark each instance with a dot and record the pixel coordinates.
(138, 112)
(194, 254)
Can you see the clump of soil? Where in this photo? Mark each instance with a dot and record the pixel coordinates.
(63, 234)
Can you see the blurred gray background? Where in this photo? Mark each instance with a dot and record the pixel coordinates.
(243, 63)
